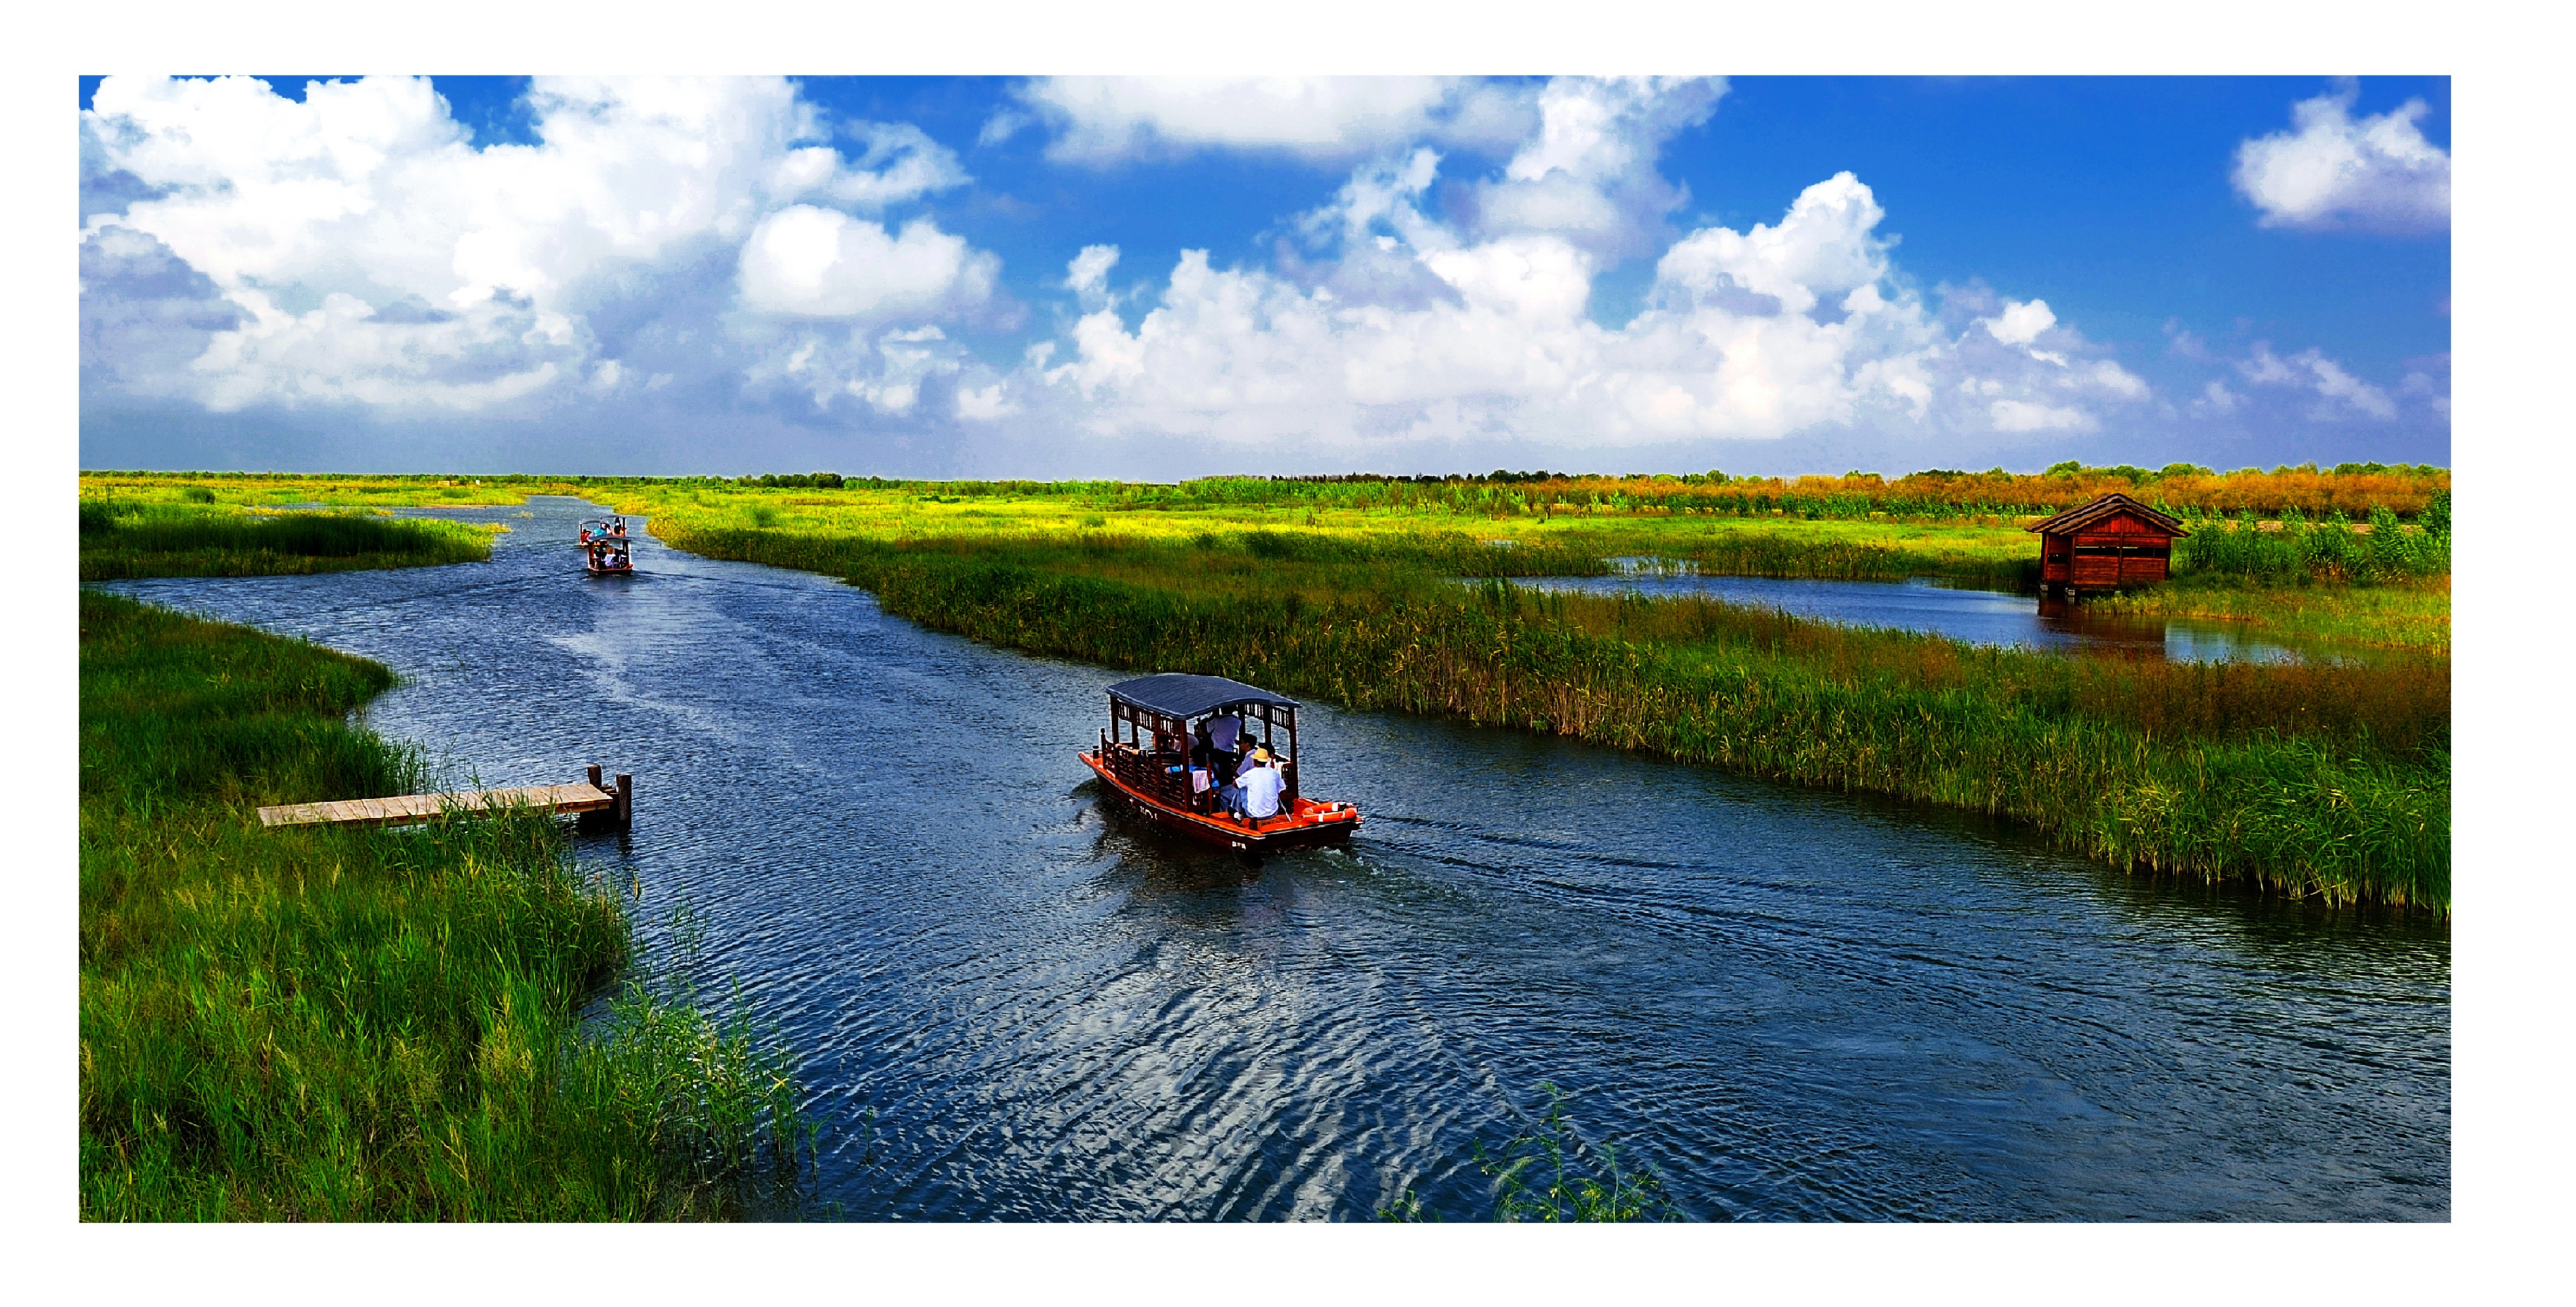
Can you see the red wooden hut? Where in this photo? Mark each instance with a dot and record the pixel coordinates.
(2111, 542)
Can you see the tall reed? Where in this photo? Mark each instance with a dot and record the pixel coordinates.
(122, 539)
(1549, 1173)
(2296, 549)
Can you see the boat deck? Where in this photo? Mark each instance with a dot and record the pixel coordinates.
(1301, 822)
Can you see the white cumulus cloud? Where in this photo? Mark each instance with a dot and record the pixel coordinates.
(1106, 120)
(1588, 173)
(1822, 249)
(2310, 370)
(898, 162)
(880, 371)
(2376, 173)
(1087, 275)
(823, 263)
(1431, 330)
(2020, 324)
(985, 403)
(370, 253)
(2021, 415)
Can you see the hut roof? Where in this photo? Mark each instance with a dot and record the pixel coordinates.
(2086, 514)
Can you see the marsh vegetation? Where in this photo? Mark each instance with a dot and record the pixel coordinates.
(1549, 1173)
(351, 1024)
(121, 539)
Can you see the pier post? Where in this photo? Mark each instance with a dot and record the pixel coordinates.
(594, 777)
(625, 800)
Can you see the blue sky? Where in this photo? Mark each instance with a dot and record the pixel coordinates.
(939, 276)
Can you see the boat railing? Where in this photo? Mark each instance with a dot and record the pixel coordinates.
(1164, 776)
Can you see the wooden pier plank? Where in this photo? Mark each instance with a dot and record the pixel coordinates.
(576, 797)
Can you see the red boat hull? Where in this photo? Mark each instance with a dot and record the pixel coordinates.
(1309, 825)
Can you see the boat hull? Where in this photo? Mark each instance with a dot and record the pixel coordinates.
(1314, 825)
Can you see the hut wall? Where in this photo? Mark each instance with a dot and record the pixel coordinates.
(2121, 549)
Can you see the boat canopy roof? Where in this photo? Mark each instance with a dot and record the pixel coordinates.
(1184, 695)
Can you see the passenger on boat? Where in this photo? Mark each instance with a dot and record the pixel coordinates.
(1202, 762)
(1260, 787)
(1231, 792)
(1219, 736)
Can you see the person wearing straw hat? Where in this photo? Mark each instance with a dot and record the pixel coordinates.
(1261, 785)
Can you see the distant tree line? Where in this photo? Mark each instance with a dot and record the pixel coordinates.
(1934, 494)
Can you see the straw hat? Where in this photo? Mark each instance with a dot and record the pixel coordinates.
(1261, 755)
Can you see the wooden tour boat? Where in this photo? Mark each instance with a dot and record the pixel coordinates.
(1154, 761)
(603, 546)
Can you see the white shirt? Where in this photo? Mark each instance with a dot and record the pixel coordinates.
(1261, 786)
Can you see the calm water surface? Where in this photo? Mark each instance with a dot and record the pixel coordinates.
(1797, 1004)
(1973, 615)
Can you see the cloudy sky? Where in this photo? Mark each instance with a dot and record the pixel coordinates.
(1158, 278)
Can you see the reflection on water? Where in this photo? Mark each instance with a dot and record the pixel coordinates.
(1961, 613)
(1799, 1005)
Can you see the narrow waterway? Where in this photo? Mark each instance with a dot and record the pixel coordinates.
(1795, 1004)
(1970, 614)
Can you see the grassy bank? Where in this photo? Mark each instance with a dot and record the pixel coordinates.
(2330, 782)
(355, 1024)
(302, 489)
(122, 539)
(2294, 550)
(2413, 615)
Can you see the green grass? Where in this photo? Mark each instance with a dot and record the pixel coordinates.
(2296, 550)
(121, 539)
(1826, 550)
(1549, 1173)
(350, 1024)
(2402, 614)
(278, 489)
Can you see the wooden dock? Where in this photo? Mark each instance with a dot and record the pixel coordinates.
(580, 797)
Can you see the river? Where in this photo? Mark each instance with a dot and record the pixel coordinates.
(1010, 1004)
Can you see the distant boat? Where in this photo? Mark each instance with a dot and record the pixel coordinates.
(1172, 737)
(603, 546)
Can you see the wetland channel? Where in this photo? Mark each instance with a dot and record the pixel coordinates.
(1009, 1004)
(1967, 613)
